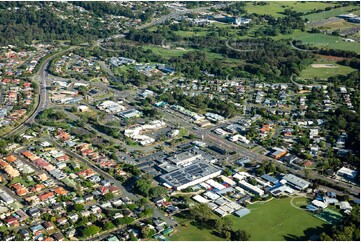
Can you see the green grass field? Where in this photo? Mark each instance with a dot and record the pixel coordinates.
(315, 17)
(192, 233)
(166, 52)
(324, 73)
(321, 40)
(275, 8)
(277, 220)
(274, 220)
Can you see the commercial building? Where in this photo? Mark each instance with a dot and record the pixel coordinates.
(191, 175)
(278, 153)
(213, 117)
(296, 182)
(133, 113)
(251, 188)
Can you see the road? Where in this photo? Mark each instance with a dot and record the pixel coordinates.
(178, 13)
(124, 192)
(43, 95)
(95, 168)
(11, 193)
(212, 138)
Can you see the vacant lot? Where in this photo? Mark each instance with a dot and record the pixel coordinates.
(311, 72)
(274, 220)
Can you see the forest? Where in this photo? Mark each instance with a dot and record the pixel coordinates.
(21, 25)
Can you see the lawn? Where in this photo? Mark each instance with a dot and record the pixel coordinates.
(324, 73)
(334, 42)
(23, 181)
(315, 17)
(274, 220)
(275, 8)
(166, 52)
(321, 40)
(192, 233)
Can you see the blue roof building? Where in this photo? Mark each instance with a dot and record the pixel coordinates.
(269, 178)
(242, 212)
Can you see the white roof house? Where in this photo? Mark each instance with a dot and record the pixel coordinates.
(347, 172)
(345, 205)
(200, 199)
(319, 204)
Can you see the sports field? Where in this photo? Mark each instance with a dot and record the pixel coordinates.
(311, 72)
(274, 220)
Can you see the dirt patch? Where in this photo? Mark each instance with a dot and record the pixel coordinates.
(324, 66)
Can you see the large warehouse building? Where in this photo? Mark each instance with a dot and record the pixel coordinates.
(190, 175)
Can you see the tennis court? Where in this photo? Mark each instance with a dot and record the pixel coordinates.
(329, 216)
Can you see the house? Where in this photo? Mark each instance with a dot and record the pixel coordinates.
(113, 189)
(347, 173)
(60, 191)
(61, 221)
(105, 183)
(70, 233)
(36, 228)
(24, 234)
(22, 215)
(85, 213)
(290, 159)
(42, 177)
(46, 196)
(10, 158)
(103, 190)
(57, 207)
(48, 225)
(83, 108)
(345, 206)
(159, 200)
(78, 200)
(95, 209)
(88, 197)
(34, 212)
(58, 236)
(86, 173)
(73, 217)
(12, 222)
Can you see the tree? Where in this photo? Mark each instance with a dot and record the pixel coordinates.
(90, 230)
(240, 235)
(147, 232)
(78, 207)
(158, 191)
(124, 220)
(142, 186)
(108, 225)
(108, 196)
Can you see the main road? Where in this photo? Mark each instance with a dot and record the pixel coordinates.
(212, 138)
(42, 101)
(178, 13)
